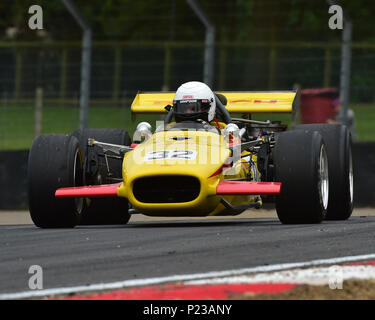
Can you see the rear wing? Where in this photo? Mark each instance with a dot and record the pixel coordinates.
(238, 102)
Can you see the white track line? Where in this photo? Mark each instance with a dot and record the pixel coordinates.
(311, 276)
(177, 278)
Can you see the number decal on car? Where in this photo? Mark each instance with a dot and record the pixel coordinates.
(171, 154)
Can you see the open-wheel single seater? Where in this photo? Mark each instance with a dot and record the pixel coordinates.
(101, 176)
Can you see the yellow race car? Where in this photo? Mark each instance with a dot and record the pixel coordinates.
(192, 168)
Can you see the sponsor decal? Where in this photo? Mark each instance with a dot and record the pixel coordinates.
(239, 101)
(253, 101)
(165, 102)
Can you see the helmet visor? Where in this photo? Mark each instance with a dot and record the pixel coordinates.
(191, 106)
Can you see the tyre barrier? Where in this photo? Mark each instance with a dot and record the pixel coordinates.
(13, 180)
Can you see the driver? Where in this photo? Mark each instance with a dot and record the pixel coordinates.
(194, 101)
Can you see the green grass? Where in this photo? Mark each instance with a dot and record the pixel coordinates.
(17, 122)
(364, 121)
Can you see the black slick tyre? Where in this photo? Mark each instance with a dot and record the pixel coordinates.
(301, 165)
(55, 161)
(339, 150)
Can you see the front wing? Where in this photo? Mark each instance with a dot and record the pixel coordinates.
(225, 187)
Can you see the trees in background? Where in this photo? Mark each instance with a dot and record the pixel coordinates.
(236, 20)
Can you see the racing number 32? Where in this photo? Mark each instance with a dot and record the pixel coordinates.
(171, 154)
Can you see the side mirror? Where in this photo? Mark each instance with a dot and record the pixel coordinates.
(143, 132)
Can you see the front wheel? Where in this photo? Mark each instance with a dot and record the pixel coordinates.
(339, 150)
(55, 161)
(301, 165)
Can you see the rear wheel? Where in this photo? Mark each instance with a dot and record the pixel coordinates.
(301, 165)
(101, 211)
(55, 161)
(339, 150)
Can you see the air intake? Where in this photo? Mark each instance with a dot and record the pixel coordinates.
(166, 189)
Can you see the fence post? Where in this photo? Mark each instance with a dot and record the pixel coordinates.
(272, 68)
(85, 62)
(209, 47)
(345, 73)
(64, 58)
(117, 74)
(167, 68)
(38, 111)
(18, 74)
(327, 68)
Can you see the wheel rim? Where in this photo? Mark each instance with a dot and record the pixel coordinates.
(77, 176)
(323, 177)
(351, 176)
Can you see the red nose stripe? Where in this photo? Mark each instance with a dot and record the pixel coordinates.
(245, 187)
(104, 190)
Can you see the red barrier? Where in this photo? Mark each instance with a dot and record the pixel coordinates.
(319, 105)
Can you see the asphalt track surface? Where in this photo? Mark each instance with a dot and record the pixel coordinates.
(100, 254)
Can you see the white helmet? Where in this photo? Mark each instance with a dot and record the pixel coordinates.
(194, 100)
